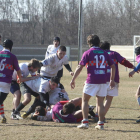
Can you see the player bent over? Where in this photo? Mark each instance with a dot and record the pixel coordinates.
(26, 70)
(96, 60)
(137, 69)
(53, 97)
(8, 62)
(117, 58)
(37, 89)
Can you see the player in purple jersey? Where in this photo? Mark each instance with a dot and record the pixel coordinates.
(137, 69)
(117, 58)
(96, 60)
(8, 62)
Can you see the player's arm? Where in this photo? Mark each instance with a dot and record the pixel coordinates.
(19, 75)
(24, 79)
(67, 66)
(127, 64)
(76, 73)
(112, 76)
(136, 69)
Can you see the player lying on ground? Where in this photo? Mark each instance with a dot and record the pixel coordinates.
(63, 112)
(38, 88)
(117, 58)
(54, 96)
(96, 61)
(26, 69)
(137, 69)
(8, 63)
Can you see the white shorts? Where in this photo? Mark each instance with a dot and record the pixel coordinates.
(114, 91)
(5, 87)
(95, 89)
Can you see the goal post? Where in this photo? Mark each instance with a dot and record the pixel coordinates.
(136, 42)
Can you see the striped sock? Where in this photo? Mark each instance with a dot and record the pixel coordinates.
(100, 123)
(2, 110)
(85, 121)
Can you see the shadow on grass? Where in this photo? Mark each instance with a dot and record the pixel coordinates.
(125, 108)
(124, 131)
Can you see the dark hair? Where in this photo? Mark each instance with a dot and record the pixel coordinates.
(137, 50)
(0, 36)
(93, 40)
(55, 80)
(34, 63)
(105, 45)
(68, 108)
(8, 44)
(57, 39)
(62, 48)
(41, 110)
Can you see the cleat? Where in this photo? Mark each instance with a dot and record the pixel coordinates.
(99, 127)
(3, 120)
(83, 126)
(24, 115)
(138, 121)
(16, 117)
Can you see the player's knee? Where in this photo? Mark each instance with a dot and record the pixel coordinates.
(27, 100)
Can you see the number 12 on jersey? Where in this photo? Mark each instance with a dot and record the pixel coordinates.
(99, 58)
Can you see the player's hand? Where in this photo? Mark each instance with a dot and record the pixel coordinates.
(112, 84)
(71, 73)
(72, 84)
(131, 73)
(35, 114)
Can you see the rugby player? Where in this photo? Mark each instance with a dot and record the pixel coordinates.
(96, 61)
(8, 63)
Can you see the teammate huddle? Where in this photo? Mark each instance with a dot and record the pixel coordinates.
(102, 81)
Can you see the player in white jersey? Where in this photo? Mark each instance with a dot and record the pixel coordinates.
(26, 70)
(52, 64)
(1, 48)
(50, 95)
(38, 88)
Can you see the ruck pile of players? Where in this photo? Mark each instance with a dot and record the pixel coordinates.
(42, 79)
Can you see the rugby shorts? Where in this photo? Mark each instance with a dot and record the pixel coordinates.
(14, 87)
(95, 89)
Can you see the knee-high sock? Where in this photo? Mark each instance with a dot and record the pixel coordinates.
(19, 108)
(2, 110)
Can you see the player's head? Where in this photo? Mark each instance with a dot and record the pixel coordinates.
(137, 50)
(34, 65)
(61, 52)
(56, 41)
(93, 40)
(105, 45)
(54, 82)
(68, 108)
(8, 44)
(40, 111)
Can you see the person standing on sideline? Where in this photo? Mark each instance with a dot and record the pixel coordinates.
(52, 49)
(96, 61)
(1, 48)
(8, 62)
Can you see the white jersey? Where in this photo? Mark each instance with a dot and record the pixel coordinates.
(39, 85)
(51, 50)
(56, 95)
(24, 71)
(1, 48)
(52, 64)
(48, 116)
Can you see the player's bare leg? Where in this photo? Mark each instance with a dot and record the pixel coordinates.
(16, 99)
(107, 103)
(78, 114)
(85, 110)
(101, 112)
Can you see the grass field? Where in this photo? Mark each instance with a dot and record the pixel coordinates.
(120, 118)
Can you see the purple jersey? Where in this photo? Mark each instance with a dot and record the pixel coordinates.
(116, 57)
(96, 61)
(138, 58)
(57, 116)
(8, 62)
